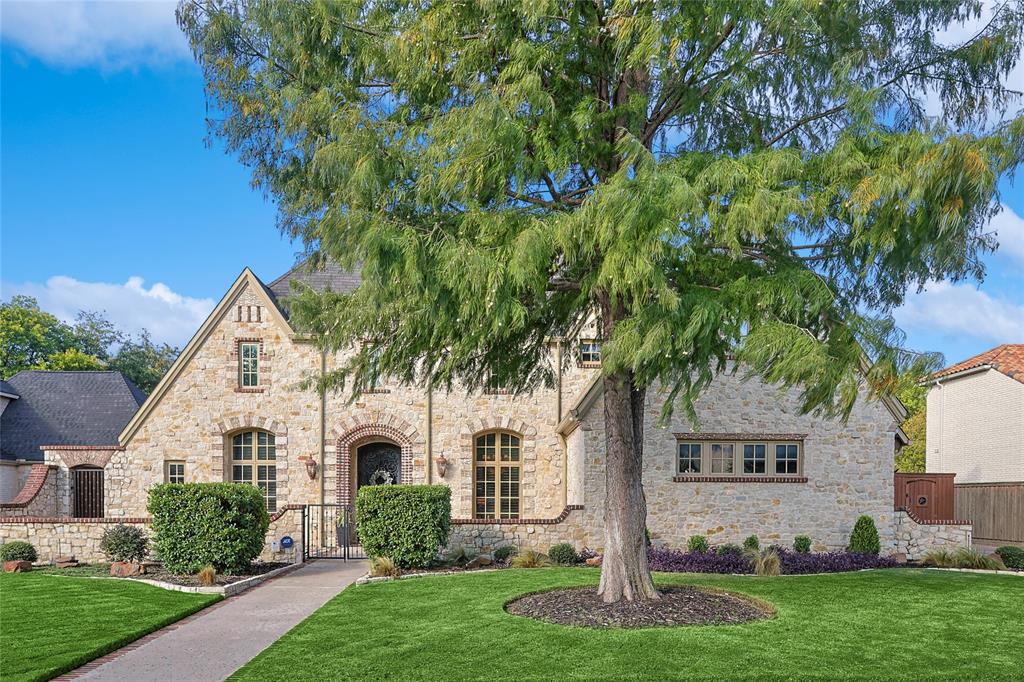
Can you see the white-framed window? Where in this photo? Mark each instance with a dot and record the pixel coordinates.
(689, 458)
(590, 352)
(722, 458)
(787, 458)
(248, 364)
(174, 471)
(254, 461)
(755, 458)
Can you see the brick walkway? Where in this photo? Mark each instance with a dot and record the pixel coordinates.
(210, 645)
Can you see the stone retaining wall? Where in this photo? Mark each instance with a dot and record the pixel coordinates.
(537, 534)
(915, 537)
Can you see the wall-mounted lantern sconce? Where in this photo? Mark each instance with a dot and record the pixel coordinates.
(311, 466)
(442, 465)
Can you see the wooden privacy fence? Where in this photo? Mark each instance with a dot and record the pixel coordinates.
(927, 496)
(995, 509)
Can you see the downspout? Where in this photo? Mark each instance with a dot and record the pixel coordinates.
(558, 420)
(430, 432)
(323, 429)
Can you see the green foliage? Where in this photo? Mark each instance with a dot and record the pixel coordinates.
(504, 553)
(408, 523)
(802, 544)
(460, 556)
(697, 543)
(143, 361)
(911, 458)
(864, 538)
(967, 557)
(72, 360)
(28, 336)
(530, 558)
(18, 550)
(125, 543)
(728, 548)
(220, 524)
(382, 566)
(941, 558)
(1012, 556)
(751, 542)
(563, 554)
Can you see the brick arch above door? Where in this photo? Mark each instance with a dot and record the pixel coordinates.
(354, 430)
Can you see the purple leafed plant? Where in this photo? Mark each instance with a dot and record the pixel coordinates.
(831, 562)
(673, 561)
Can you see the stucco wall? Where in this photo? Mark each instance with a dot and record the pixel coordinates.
(976, 428)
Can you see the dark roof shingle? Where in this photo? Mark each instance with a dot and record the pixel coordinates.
(329, 276)
(65, 408)
(7, 389)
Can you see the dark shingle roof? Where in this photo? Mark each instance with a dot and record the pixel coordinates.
(65, 408)
(328, 277)
(7, 389)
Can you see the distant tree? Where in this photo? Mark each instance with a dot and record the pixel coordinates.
(911, 457)
(94, 334)
(143, 361)
(72, 360)
(29, 336)
(711, 180)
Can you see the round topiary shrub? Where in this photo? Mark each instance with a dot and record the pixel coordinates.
(125, 543)
(752, 543)
(223, 525)
(1012, 556)
(864, 539)
(407, 523)
(697, 543)
(18, 550)
(563, 554)
(801, 544)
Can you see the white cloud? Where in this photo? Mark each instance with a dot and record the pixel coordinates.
(169, 316)
(1010, 229)
(110, 35)
(962, 310)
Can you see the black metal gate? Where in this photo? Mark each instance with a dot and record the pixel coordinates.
(87, 492)
(329, 532)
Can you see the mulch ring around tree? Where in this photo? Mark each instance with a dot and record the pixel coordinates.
(682, 605)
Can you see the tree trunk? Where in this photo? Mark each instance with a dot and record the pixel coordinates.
(624, 571)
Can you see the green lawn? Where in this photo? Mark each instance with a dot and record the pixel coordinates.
(876, 625)
(52, 624)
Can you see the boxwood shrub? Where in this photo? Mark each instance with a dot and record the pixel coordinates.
(408, 523)
(17, 550)
(125, 543)
(198, 524)
(1012, 556)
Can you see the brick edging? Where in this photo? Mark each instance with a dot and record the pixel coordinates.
(518, 522)
(74, 519)
(932, 522)
(739, 479)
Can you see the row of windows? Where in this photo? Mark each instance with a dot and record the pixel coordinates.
(735, 458)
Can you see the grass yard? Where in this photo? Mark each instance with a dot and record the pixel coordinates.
(878, 625)
(52, 624)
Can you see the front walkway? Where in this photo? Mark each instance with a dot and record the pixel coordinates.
(222, 640)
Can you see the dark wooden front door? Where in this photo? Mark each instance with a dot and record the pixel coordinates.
(87, 492)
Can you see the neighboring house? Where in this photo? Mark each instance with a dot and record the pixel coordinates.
(976, 431)
(527, 469)
(59, 411)
(976, 417)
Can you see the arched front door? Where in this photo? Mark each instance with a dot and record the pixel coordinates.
(378, 464)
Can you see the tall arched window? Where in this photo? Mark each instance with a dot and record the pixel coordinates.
(254, 461)
(497, 475)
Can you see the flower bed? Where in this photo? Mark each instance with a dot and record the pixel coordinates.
(792, 563)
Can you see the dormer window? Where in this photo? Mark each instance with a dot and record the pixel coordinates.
(590, 353)
(248, 365)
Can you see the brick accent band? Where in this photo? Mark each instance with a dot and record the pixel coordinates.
(281, 511)
(740, 436)
(33, 484)
(739, 479)
(519, 522)
(72, 519)
(932, 522)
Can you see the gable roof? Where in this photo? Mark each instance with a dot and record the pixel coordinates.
(8, 391)
(65, 408)
(329, 276)
(1006, 359)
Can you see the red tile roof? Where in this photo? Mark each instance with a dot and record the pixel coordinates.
(1007, 358)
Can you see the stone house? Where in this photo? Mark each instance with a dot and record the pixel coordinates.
(522, 469)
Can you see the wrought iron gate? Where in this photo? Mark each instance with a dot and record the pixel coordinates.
(329, 532)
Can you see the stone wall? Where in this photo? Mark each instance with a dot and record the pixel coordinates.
(57, 537)
(915, 538)
(38, 495)
(536, 534)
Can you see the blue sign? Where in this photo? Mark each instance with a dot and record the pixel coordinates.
(287, 542)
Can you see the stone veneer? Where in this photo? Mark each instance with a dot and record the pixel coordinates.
(915, 537)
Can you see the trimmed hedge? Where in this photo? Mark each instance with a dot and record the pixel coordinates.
(200, 524)
(1013, 557)
(18, 550)
(563, 554)
(864, 538)
(408, 523)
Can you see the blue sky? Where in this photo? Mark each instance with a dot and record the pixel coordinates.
(110, 198)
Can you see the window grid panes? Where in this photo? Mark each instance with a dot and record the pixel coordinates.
(590, 352)
(498, 475)
(787, 458)
(689, 458)
(174, 472)
(248, 357)
(253, 461)
(721, 458)
(754, 458)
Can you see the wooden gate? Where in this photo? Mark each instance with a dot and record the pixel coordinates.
(87, 492)
(929, 497)
(995, 509)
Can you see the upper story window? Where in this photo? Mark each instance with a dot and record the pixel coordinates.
(174, 472)
(249, 365)
(590, 352)
(739, 458)
(254, 461)
(497, 475)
